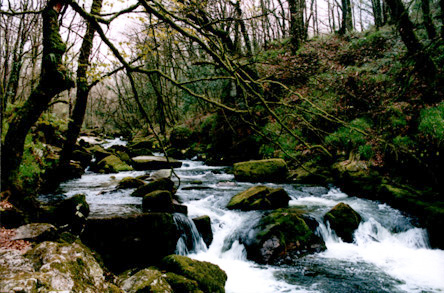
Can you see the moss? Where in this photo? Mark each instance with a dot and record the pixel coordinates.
(146, 280)
(130, 182)
(343, 220)
(113, 164)
(208, 276)
(159, 184)
(180, 284)
(261, 170)
(283, 236)
(158, 201)
(259, 198)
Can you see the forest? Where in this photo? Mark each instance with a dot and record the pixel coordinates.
(149, 123)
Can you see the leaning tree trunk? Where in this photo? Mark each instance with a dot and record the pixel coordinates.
(83, 90)
(53, 80)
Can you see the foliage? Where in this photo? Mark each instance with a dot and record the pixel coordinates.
(350, 138)
(432, 122)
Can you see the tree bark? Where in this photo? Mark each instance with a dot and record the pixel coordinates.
(53, 80)
(83, 89)
(347, 22)
(427, 19)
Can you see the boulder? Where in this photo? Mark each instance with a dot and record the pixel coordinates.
(112, 164)
(36, 232)
(141, 148)
(82, 156)
(181, 284)
(158, 201)
(259, 198)
(283, 236)
(203, 225)
(356, 177)
(98, 152)
(271, 170)
(130, 182)
(52, 267)
(181, 137)
(132, 241)
(343, 220)
(208, 276)
(146, 280)
(72, 211)
(160, 184)
(162, 173)
(154, 163)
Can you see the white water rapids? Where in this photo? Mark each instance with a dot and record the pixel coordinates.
(389, 254)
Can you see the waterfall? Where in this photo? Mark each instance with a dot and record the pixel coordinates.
(190, 240)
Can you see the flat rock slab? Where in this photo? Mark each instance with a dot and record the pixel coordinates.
(36, 232)
(154, 163)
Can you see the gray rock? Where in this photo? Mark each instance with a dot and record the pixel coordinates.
(36, 232)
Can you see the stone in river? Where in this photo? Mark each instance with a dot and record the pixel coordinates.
(154, 163)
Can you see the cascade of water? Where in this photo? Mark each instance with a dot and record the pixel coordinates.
(190, 239)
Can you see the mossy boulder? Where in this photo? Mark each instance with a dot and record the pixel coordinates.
(146, 280)
(208, 276)
(180, 284)
(154, 163)
(142, 147)
(203, 225)
(162, 173)
(130, 182)
(112, 164)
(271, 170)
(283, 236)
(311, 173)
(131, 241)
(181, 137)
(160, 184)
(158, 201)
(52, 267)
(259, 198)
(98, 152)
(356, 177)
(343, 220)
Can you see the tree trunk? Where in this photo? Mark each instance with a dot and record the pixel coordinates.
(427, 19)
(347, 22)
(83, 89)
(441, 5)
(377, 13)
(424, 65)
(296, 24)
(53, 80)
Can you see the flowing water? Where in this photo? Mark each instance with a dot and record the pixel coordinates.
(389, 254)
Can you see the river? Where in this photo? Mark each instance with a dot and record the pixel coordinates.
(389, 254)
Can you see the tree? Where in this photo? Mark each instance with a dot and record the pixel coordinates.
(54, 79)
(83, 89)
(347, 19)
(427, 19)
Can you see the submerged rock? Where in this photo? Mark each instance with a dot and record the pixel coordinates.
(160, 184)
(158, 201)
(132, 241)
(130, 182)
(203, 225)
(208, 276)
(51, 267)
(259, 198)
(146, 280)
(282, 236)
(154, 163)
(112, 164)
(343, 220)
(271, 170)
